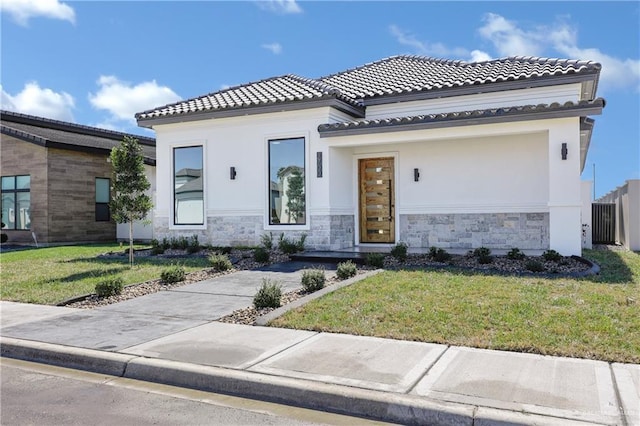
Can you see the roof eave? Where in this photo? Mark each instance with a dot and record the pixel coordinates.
(579, 111)
(586, 131)
(294, 105)
(473, 89)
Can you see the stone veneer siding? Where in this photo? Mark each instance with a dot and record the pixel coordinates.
(326, 233)
(471, 230)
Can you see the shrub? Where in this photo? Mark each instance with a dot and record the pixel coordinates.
(482, 252)
(165, 244)
(261, 255)
(439, 254)
(157, 250)
(4, 238)
(172, 274)
(515, 254)
(346, 270)
(534, 266)
(220, 262)
(267, 241)
(268, 295)
(552, 256)
(221, 249)
(110, 287)
(399, 251)
(194, 245)
(483, 260)
(288, 246)
(312, 280)
(375, 259)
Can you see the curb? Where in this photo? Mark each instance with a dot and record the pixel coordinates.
(265, 319)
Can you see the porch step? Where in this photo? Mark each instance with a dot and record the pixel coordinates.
(329, 257)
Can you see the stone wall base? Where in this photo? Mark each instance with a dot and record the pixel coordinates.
(466, 231)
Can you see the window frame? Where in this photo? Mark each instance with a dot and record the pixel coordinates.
(172, 222)
(16, 205)
(108, 219)
(267, 216)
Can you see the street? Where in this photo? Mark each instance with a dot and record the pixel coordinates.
(38, 394)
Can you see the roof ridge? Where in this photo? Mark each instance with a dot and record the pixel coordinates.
(546, 60)
(67, 126)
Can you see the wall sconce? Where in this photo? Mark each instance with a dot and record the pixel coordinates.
(232, 173)
(416, 175)
(319, 164)
(564, 151)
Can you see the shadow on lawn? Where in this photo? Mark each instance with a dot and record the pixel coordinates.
(615, 268)
(142, 261)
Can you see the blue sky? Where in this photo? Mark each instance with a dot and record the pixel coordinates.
(98, 63)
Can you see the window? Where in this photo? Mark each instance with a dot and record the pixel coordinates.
(287, 200)
(188, 192)
(102, 200)
(16, 202)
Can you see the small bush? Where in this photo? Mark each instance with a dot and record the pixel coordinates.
(552, 256)
(4, 238)
(515, 254)
(166, 244)
(155, 243)
(439, 254)
(346, 270)
(482, 252)
(312, 280)
(110, 287)
(534, 266)
(267, 241)
(157, 250)
(220, 262)
(288, 246)
(483, 260)
(375, 260)
(221, 249)
(172, 274)
(261, 255)
(399, 251)
(194, 245)
(268, 295)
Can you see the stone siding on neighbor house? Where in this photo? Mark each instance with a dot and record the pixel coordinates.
(528, 231)
(24, 158)
(326, 233)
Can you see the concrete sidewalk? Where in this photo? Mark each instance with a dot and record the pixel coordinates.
(171, 337)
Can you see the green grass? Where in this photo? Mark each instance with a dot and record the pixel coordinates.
(51, 275)
(596, 317)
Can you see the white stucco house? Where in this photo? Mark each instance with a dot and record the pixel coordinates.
(410, 149)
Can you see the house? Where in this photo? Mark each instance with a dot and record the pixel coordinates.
(56, 181)
(411, 149)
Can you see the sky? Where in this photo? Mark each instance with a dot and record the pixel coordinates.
(98, 63)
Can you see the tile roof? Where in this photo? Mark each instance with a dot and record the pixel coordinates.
(47, 132)
(396, 75)
(480, 116)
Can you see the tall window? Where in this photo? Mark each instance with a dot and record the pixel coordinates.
(102, 200)
(16, 202)
(188, 192)
(287, 200)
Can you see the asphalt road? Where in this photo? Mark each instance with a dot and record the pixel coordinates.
(38, 394)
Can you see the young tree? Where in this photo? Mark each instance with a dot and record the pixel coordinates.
(129, 202)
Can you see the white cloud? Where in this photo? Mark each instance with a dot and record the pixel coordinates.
(432, 49)
(479, 56)
(23, 10)
(275, 48)
(35, 100)
(509, 39)
(123, 100)
(280, 6)
(558, 39)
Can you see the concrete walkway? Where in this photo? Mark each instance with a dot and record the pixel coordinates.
(172, 337)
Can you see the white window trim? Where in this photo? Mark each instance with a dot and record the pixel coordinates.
(172, 211)
(267, 199)
(356, 196)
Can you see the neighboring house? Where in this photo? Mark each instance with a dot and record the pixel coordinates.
(626, 199)
(407, 149)
(56, 180)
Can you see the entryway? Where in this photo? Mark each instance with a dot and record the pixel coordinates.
(377, 201)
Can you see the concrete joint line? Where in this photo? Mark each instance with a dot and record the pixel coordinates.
(422, 376)
(294, 344)
(616, 391)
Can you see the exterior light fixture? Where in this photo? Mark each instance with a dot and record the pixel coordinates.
(232, 173)
(319, 164)
(416, 175)
(564, 151)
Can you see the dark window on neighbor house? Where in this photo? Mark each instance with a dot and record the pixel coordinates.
(16, 202)
(287, 198)
(102, 200)
(188, 193)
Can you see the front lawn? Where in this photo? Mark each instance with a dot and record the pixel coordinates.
(51, 275)
(596, 317)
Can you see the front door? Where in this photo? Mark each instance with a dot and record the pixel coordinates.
(377, 212)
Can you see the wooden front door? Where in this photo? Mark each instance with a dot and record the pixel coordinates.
(377, 209)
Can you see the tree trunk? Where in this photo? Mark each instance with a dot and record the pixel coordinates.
(131, 242)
